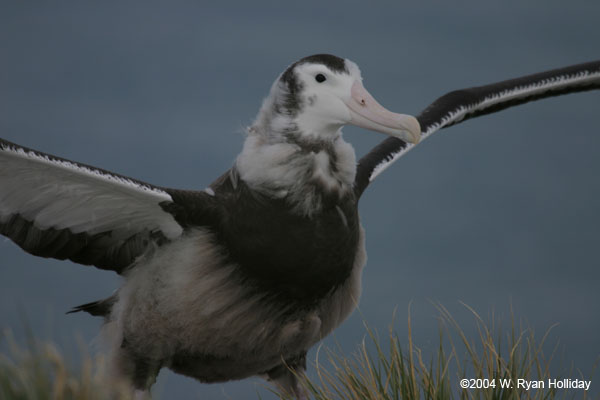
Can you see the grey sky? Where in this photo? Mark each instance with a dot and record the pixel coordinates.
(501, 209)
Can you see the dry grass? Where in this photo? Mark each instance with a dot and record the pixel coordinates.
(39, 371)
(401, 371)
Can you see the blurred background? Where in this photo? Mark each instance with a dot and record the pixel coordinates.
(500, 211)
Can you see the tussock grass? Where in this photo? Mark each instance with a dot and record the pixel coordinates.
(400, 371)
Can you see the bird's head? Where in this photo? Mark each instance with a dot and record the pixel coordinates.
(294, 149)
(317, 95)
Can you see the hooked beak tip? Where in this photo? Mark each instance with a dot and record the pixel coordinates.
(407, 128)
(413, 129)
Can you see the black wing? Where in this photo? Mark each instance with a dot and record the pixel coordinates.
(460, 105)
(52, 207)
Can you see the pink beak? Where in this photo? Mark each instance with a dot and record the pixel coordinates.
(367, 113)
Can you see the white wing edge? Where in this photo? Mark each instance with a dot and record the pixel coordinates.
(160, 195)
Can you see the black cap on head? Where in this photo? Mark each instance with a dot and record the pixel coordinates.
(334, 63)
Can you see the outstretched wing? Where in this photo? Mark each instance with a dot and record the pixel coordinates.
(52, 207)
(460, 105)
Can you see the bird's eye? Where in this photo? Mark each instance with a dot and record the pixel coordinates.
(320, 78)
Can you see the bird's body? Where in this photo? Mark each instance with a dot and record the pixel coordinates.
(244, 277)
(250, 291)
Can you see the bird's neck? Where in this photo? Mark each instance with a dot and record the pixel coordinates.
(310, 173)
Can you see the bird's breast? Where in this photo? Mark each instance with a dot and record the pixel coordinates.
(295, 258)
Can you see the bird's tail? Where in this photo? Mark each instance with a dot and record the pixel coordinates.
(100, 308)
